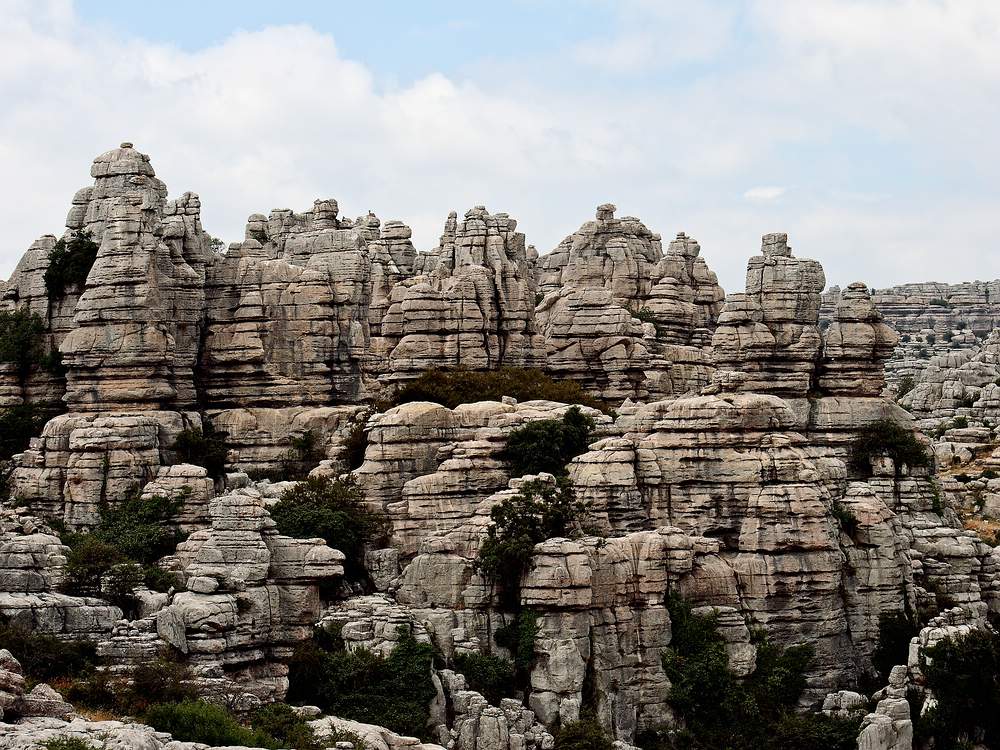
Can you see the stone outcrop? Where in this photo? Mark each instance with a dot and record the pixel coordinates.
(622, 316)
(251, 595)
(724, 477)
(932, 319)
(471, 304)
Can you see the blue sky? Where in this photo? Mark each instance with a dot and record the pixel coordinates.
(866, 130)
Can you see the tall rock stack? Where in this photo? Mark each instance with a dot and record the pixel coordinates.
(856, 346)
(472, 304)
(287, 313)
(622, 317)
(131, 350)
(770, 334)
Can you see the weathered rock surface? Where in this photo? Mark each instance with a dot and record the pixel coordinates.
(621, 316)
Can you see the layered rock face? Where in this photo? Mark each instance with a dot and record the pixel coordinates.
(471, 303)
(726, 476)
(622, 316)
(932, 319)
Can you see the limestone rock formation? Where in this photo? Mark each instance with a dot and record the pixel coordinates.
(622, 316)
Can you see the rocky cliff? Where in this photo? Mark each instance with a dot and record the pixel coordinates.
(726, 474)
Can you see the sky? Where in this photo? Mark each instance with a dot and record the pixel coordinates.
(866, 130)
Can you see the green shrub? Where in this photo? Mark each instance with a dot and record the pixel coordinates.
(132, 692)
(207, 449)
(18, 424)
(959, 423)
(44, 657)
(887, 437)
(988, 474)
(585, 734)
(518, 637)
(548, 444)
(493, 676)
(333, 509)
(394, 691)
(895, 629)
(127, 541)
(67, 742)
(964, 676)
(845, 517)
(939, 302)
(70, 263)
(198, 721)
(538, 512)
(289, 730)
(645, 315)
(906, 384)
(453, 387)
(355, 445)
(721, 711)
(22, 335)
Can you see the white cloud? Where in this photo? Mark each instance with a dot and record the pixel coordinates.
(834, 98)
(764, 193)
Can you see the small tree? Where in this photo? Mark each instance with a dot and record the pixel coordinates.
(887, 437)
(70, 263)
(333, 509)
(207, 449)
(538, 512)
(548, 444)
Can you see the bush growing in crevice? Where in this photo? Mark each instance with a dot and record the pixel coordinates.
(845, 517)
(539, 511)
(493, 676)
(70, 263)
(203, 448)
(548, 444)
(18, 424)
(44, 657)
(963, 674)
(333, 509)
(22, 335)
(895, 630)
(906, 384)
(453, 387)
(721, 711)
(518, 637)
(119, 554)
(393, 691)
(887, 437)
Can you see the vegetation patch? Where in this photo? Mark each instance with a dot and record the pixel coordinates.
(895, 629)
(120, 553)
(44, 657)
(18, 424)
(22, 335)
(203, 448)
(548, 444)
(199, 721)
(538, 512)
(453, 387)
(964, 676)
(493, 676)
(393, 691)
(721, 711)
(888, 438)
(905, 385)
(333, 509)
(585, 734)
(845, 517)
(69, 264)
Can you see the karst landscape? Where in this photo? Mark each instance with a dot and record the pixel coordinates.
(318, 489)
